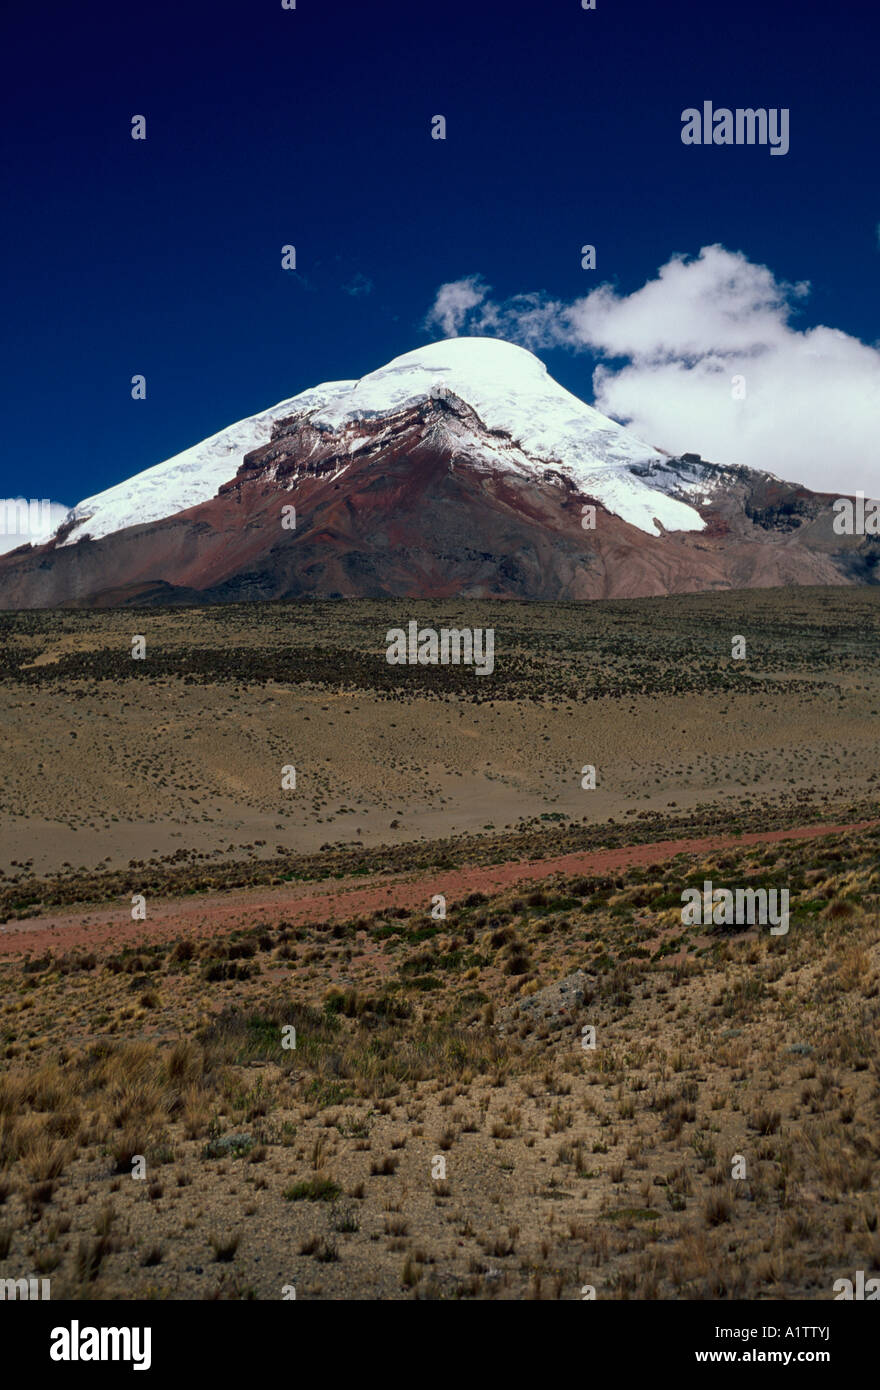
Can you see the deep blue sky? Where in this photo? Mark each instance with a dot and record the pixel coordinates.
(313, 127)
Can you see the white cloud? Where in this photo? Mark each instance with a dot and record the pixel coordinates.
(453, 302)
(24, 520)
(811, 409)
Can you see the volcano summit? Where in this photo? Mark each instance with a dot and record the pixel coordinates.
(461, 469)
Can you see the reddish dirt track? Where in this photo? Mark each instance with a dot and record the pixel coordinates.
(327, 901)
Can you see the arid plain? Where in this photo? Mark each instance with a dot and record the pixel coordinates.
(421, 1038)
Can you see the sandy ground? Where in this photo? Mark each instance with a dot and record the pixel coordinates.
(137, 772)
(109, 762)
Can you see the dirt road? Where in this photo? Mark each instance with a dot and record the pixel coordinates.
(328, 901)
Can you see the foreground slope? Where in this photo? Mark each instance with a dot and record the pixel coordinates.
(317, 1167)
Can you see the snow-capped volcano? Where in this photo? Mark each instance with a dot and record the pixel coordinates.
(460, 470)
(509, 389)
